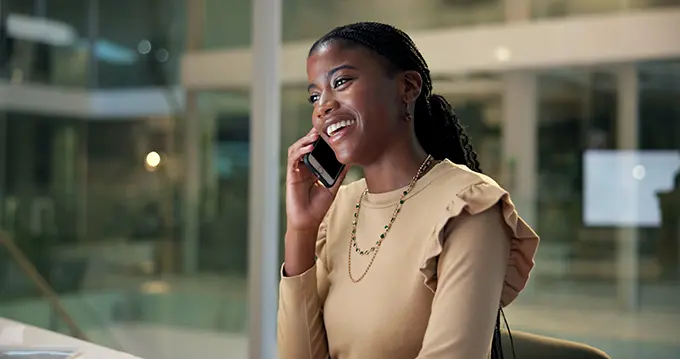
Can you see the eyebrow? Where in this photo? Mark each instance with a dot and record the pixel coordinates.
(333, 71)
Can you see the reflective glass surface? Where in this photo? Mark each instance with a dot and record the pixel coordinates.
(564, 8)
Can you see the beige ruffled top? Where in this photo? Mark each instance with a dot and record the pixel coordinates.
(456, 252)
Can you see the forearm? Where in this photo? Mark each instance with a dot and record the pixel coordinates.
(301, 332)
(471, 272)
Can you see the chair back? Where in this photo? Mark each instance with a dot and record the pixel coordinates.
(532, 346)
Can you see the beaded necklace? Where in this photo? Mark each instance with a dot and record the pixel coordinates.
(376, 247)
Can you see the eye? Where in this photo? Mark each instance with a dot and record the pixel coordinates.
(340, 81)
(313, 98)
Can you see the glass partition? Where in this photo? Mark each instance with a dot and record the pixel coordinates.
(92, 205)
(564, 8)
(49, 42)
(88, 43)
(138, 43)
(577, 112)
(476, 99)
(224, 119)
(607, 213)
(659, 138)
(227, 24)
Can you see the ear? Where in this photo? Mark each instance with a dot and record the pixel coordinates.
(413, 84)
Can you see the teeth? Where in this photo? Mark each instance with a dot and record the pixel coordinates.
(331, 129)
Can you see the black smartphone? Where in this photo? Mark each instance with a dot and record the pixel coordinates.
(323, 163)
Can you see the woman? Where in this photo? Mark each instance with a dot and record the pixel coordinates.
(416, 259)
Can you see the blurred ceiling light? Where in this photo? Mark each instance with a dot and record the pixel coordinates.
(35, 29)
(639, 172)
(57, 33)
(162, 55)
(113, 53)
(153, 159)
(503, 54)
(110, 52)
(144, 47)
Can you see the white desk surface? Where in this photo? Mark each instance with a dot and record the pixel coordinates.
(22, 336)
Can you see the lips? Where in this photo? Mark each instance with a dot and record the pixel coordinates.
(335, 127)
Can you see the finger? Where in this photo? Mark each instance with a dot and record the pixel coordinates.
(308, 139)
(296, 155)
(304, 145)
(310, 136)
(302, 142)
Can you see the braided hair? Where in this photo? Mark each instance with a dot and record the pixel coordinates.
(437, 127)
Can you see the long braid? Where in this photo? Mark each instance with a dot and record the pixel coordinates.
(460, 135)
(437, 127)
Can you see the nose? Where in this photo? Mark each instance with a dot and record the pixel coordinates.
(327, 107)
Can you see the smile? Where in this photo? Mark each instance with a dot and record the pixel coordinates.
(335, 127)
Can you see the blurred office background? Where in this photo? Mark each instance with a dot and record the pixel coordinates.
(124, 158)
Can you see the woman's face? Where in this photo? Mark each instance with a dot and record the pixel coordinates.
(358, 108)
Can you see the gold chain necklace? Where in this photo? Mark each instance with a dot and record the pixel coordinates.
(376, 247)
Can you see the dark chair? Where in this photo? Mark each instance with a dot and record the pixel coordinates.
(531, 346)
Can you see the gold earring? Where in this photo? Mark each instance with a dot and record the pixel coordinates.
(407, 115)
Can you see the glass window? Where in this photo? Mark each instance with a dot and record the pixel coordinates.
(659, 136)
(40, 166)
(577, 112)
(95, 205)
(580, 266)
(57, 53)
(139, 43)
(136, 43)
(477, 103)
(227, 24)
(40, 182)
(224, 119)
(563, 8)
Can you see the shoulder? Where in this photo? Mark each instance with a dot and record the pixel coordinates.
(459, 189)
(463, 194)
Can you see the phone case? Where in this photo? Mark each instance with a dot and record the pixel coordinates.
(317, 174)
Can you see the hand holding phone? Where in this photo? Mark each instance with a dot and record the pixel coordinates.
(306, 201)
(323, 163)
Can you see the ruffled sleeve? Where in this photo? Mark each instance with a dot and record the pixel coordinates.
(475, 199)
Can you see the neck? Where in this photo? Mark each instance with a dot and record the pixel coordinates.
(394, 169)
